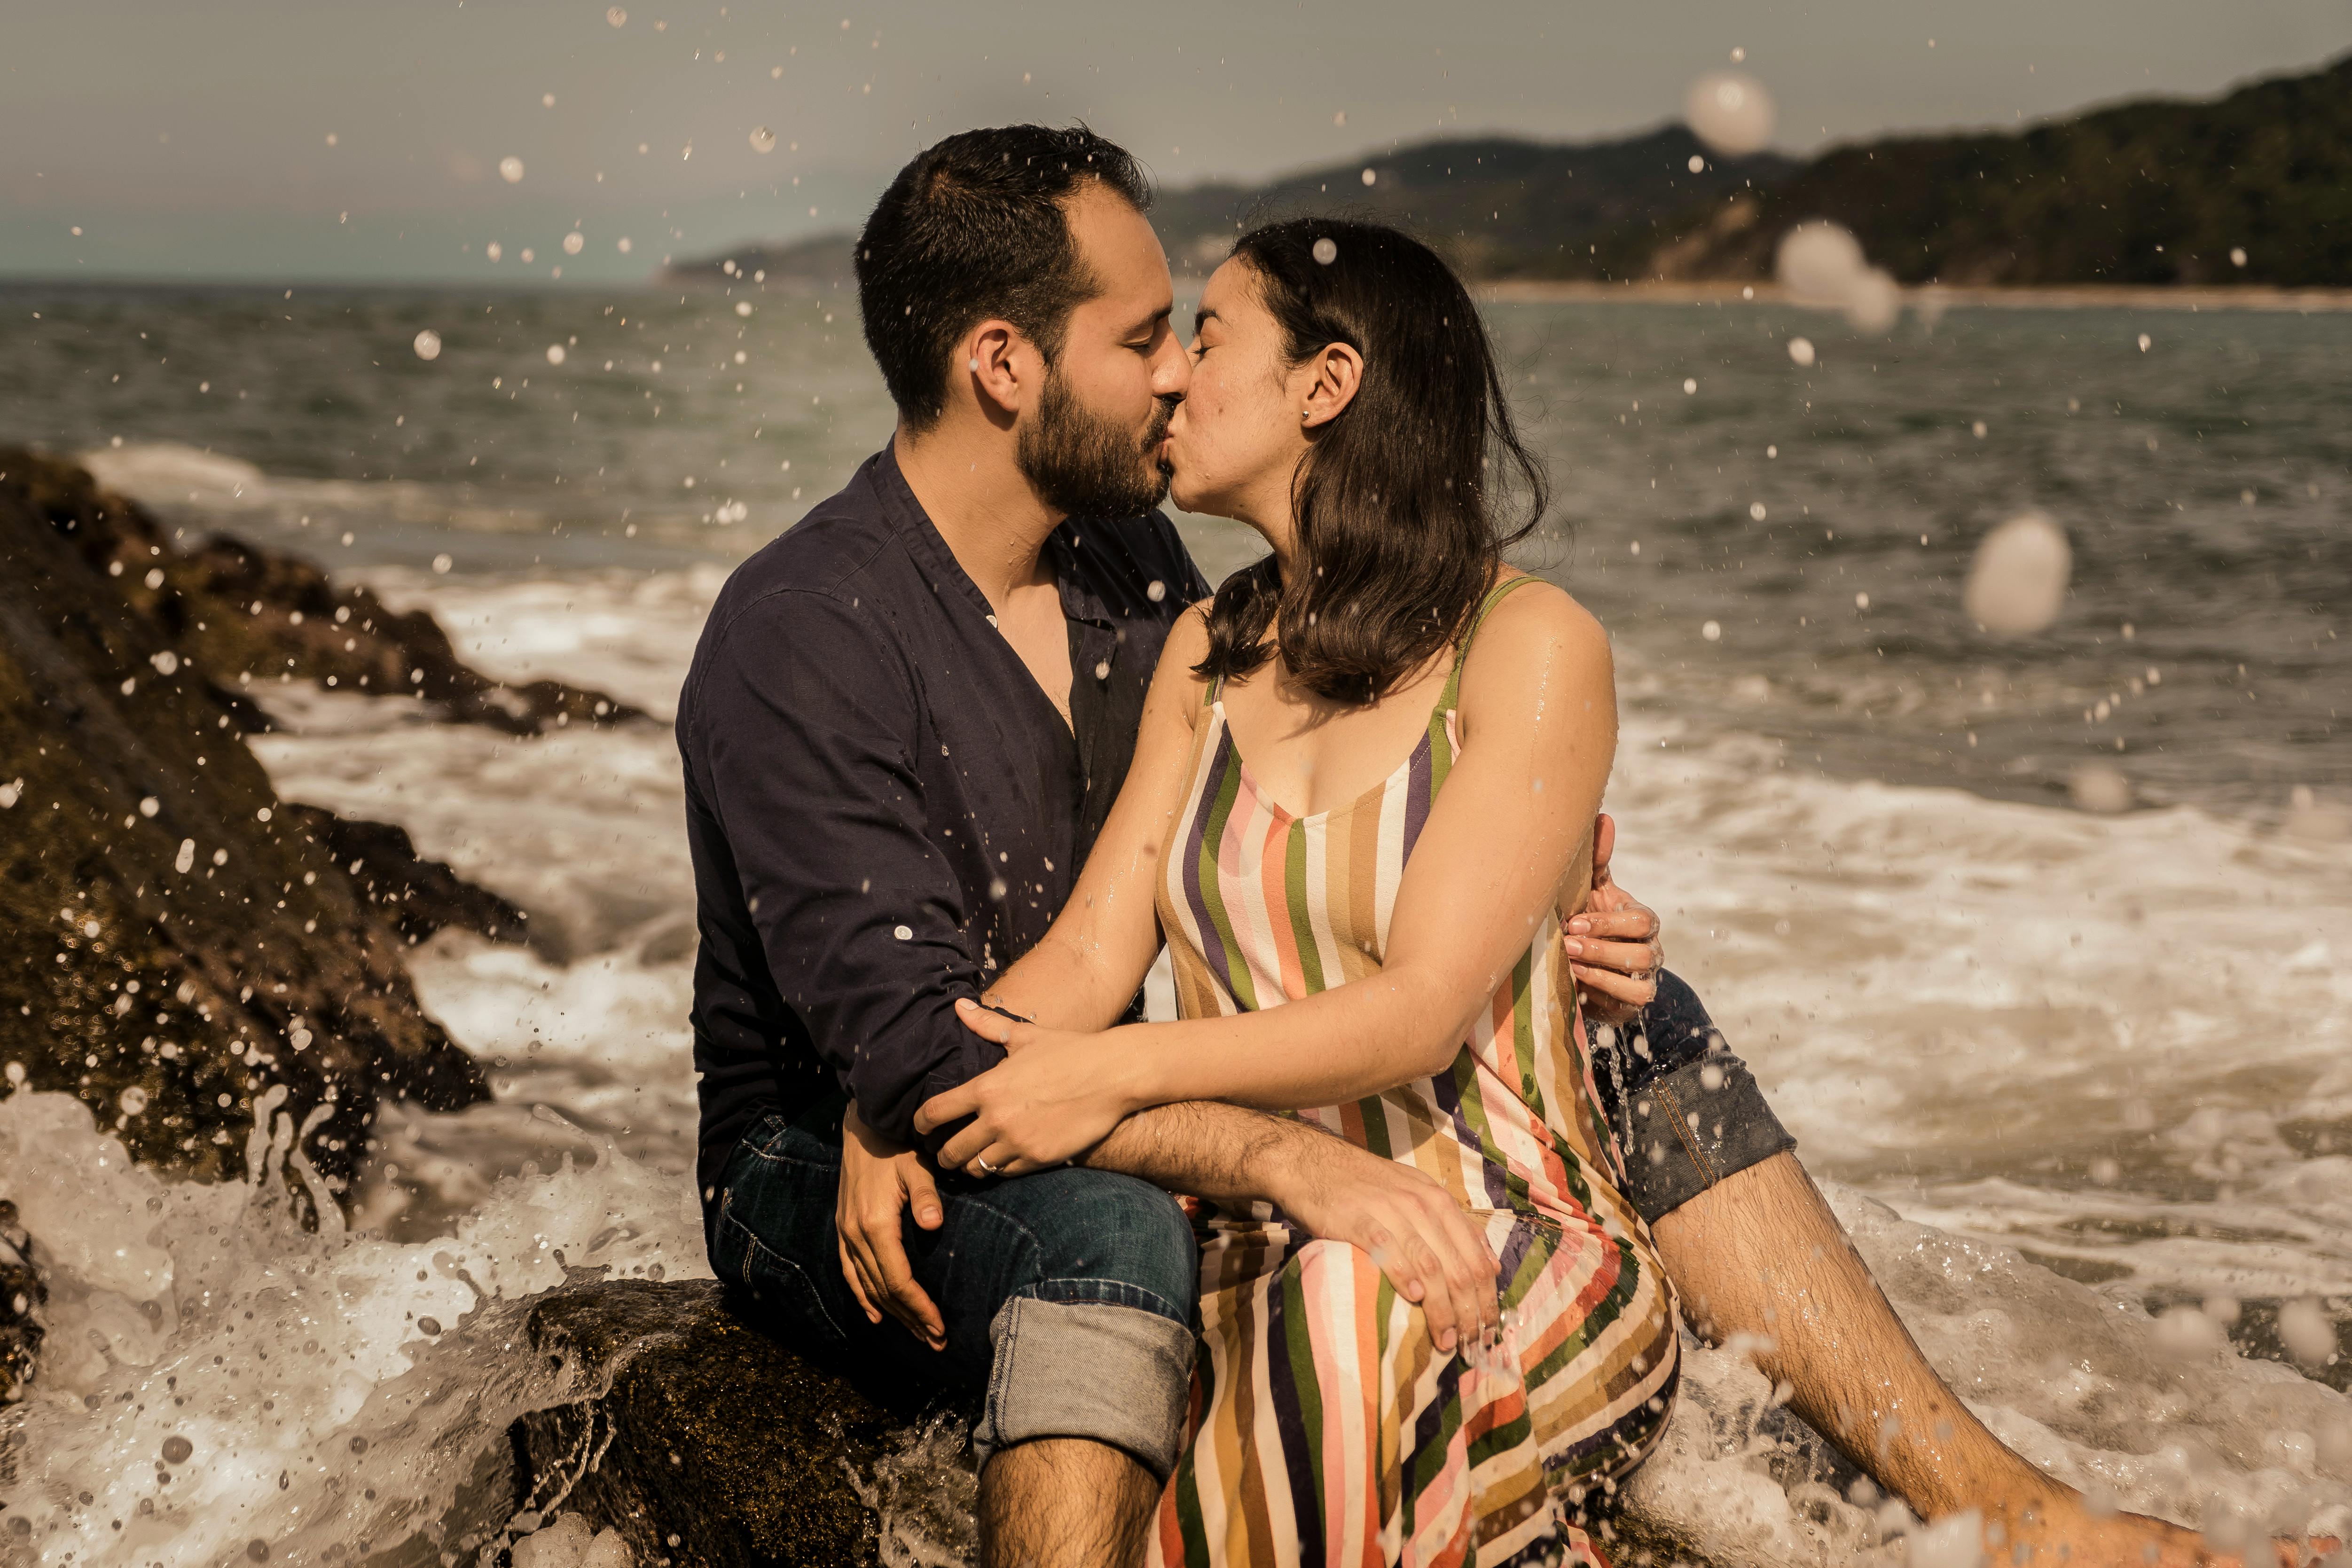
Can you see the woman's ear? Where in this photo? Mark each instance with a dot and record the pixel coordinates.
(1338, 370)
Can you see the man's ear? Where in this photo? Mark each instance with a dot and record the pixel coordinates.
(1339, 370)
(1003, 370)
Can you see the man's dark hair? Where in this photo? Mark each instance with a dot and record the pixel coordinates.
(974, 229)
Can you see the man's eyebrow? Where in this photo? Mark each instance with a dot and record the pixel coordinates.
(1153, 321)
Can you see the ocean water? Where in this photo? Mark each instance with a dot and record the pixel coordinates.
(2077, 1080)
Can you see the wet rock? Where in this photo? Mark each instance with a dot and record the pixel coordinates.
(174, 943)
(22, 1295)
(249, 617)
(418, 896)
(709, 1442)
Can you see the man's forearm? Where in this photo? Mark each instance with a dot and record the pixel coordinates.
(1227, 1154)
(1760, 1254)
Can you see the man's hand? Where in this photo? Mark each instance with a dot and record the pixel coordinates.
(1612, 943)
(1431, 1250)
(879, 1182)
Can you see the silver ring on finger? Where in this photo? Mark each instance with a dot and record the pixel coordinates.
(981, 1161)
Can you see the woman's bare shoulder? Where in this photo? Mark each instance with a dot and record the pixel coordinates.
(1541, 617)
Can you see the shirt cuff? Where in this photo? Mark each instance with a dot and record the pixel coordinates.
(1687, 1129)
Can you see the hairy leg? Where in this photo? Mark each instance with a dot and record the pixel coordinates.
(1065, 1502)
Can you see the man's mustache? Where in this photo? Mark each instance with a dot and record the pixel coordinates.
(1157, 431)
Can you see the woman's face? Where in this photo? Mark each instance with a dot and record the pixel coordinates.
(1236, 439)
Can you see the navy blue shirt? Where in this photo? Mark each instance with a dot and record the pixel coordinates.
(883, 807)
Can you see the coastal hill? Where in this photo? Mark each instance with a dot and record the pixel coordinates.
(2149, 192)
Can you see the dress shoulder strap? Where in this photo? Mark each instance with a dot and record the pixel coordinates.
(1452, 697)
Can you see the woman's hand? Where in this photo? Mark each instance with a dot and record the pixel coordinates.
(879, 1181)
(1433, 1251)
(1612, 943)
(1051, 1099)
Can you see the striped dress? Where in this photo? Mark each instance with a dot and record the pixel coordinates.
(1324, 1425)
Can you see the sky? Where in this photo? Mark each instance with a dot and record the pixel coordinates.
(337, 140)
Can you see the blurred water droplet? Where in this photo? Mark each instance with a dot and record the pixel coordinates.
(441, 564)
(1978, 429)
(1712, 631)
(428, 344)
(1802, 351)
(2307, 1332)
(616, 16)
(2096, 786)
(743, 307)
(2237, 256)
(1861, 601)
(1698, 163)
(1690, 384)
(494, 250)
(1326, 251)
(623, 244)
(2144, 342)
(762, 139)
(2017, 583)
(149, 806)
(511, 169)
(1756, 510)
(1369, 178)
(176, 1449)
(574, 242)
(1730, 111)
(555, 353)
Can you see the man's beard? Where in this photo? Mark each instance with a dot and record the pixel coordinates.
(1086, 465)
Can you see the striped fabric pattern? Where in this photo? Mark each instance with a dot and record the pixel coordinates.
(1325, 1427)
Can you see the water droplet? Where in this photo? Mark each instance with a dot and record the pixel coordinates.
(2094, 786)
(1801, 350)
(176, 1449)
(743, 307)
(622, 245)
(149, 806)
(1698, 163)
(1690, 384)
(574, 242)
(1861, 601)
(1756, 510)
(1978, 429)
(1369, 178)
(428, 1325)
(555, 353)
(511, 169)
(1327, 250)
(441, 564)
(1157, 592)
(428, 342)
(2144, 342)
(618, 15)
(1712, 631)
(762, 139)
(2237, 256)
(494, 250)
(2017, 583)
(1730, 111)
(904, 934)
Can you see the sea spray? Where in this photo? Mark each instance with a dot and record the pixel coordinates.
(232, 1377)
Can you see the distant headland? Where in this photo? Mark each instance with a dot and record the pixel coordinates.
(2251, 191)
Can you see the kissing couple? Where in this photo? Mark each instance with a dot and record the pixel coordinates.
(1381, 1251)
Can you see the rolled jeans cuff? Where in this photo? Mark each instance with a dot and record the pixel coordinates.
(1688, 1129)
(1115, 1374)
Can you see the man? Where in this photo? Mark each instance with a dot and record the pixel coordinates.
(904, 723)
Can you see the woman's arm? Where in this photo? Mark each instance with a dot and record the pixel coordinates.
(1085, 971)
(1540, 726)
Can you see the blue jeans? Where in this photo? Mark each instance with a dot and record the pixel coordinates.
(1068, 1295)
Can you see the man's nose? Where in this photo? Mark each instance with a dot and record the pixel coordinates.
(1172, 370)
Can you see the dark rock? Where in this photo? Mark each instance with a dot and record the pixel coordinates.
(175, 945)
(707, 1441)
(22, 1295)
(419, 897)
(245, 615)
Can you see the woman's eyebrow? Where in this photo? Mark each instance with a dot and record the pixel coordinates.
(1201, 319)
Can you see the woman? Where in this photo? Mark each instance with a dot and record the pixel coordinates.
(1370, 944)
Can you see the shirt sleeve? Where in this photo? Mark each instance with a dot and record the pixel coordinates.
(809, 724)
(1686, 1111)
